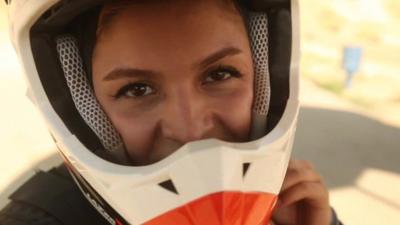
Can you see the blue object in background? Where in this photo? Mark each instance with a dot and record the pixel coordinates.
(351, 62)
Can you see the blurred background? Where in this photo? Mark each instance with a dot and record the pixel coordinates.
(349, 124)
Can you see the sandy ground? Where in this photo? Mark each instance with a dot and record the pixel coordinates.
(357, 154)
(355, 150)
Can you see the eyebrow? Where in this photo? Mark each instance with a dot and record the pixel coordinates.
(123, 72)
(119, 73)
(227, 51)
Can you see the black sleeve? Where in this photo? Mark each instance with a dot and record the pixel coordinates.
(16, 213)
(50, 198)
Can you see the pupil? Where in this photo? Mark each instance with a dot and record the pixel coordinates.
(219, 75)
(139, 90)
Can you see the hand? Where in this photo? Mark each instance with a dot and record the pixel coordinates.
(304, 199)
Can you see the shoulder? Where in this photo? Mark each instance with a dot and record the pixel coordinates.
(16, 213)
(24, 209)
(50, 198)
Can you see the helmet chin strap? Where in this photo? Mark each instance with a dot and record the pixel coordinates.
(90, 110)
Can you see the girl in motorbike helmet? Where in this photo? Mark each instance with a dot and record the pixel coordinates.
(174, 112)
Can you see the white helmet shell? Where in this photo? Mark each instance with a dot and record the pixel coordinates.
(207, 169)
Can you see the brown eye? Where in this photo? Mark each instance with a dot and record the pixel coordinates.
(221, 74)
(218, 76)
(135, 90)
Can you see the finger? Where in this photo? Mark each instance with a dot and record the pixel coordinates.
(314, 193)
(296, 164)
(299, 173)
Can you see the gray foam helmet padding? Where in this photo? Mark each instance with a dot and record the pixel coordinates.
(83, 96)
(258, 31)
(90, 110)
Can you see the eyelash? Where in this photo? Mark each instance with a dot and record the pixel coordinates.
(123, 92)
(232, 71)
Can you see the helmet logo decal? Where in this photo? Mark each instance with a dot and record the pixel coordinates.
(100, 209)
(93, 197)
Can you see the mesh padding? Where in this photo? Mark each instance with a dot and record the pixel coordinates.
(97, 120)
(258, 28)
(83, 96)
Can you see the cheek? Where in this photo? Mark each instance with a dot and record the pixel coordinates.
(136, 130)
(235, 112)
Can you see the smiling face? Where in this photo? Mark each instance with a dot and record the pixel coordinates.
(170, 72)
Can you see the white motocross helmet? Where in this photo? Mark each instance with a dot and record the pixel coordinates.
(203, 182)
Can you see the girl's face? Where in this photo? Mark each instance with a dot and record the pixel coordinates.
(167, 74)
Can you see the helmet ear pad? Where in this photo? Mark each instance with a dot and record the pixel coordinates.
(280, 51)
(84, 99)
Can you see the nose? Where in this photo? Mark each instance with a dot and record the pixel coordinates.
(187, 116)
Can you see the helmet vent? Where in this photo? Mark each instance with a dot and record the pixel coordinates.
(246, 167)
(169, 185)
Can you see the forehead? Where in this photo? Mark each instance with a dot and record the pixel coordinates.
(160, 11)
(183, 30)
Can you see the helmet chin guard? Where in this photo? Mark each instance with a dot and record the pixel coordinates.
(204, 182)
